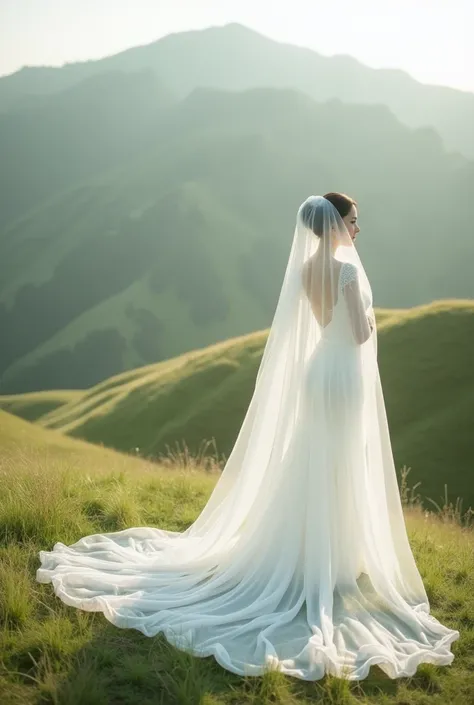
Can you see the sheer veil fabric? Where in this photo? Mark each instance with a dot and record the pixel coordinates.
(300, 559)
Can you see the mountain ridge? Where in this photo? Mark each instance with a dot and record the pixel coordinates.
(270, 62)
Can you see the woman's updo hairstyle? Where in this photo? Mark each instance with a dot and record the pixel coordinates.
(312, 215)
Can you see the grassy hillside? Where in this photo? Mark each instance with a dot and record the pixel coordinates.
(55, 488)
(23, 444)
(427, 378)
(33, 405)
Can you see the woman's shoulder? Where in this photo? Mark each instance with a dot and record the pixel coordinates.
(349, 273)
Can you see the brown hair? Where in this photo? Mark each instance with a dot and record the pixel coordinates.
(341, 201)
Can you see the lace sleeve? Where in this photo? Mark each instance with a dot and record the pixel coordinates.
(350, 288)
(348, 274)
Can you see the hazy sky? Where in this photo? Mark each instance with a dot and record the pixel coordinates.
(431, 39)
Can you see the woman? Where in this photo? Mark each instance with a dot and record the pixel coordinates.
(300, 559)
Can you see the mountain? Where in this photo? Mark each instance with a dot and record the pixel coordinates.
(55, 141)
(425, 368)
(181, 240)
(233, 57)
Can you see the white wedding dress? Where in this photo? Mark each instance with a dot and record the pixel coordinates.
(300, 559)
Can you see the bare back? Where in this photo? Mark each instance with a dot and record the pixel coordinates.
(312, 282)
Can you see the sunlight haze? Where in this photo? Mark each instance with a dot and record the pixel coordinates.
(426, 38)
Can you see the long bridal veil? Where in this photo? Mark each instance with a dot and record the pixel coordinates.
(300, 558)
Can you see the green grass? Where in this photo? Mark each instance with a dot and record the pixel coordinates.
(57, 488)
(33, 405)
(428, 381)
(427, 377)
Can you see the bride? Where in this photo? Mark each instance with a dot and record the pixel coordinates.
(300, 559)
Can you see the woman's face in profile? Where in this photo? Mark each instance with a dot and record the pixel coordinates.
(350, 221)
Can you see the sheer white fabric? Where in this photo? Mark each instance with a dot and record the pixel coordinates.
(300, 559)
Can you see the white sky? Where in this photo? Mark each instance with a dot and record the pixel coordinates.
(433, 40)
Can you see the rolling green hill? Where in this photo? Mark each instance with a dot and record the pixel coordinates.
(428, 382)
(25, 443)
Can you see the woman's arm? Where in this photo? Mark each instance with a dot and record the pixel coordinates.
(362, 324)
